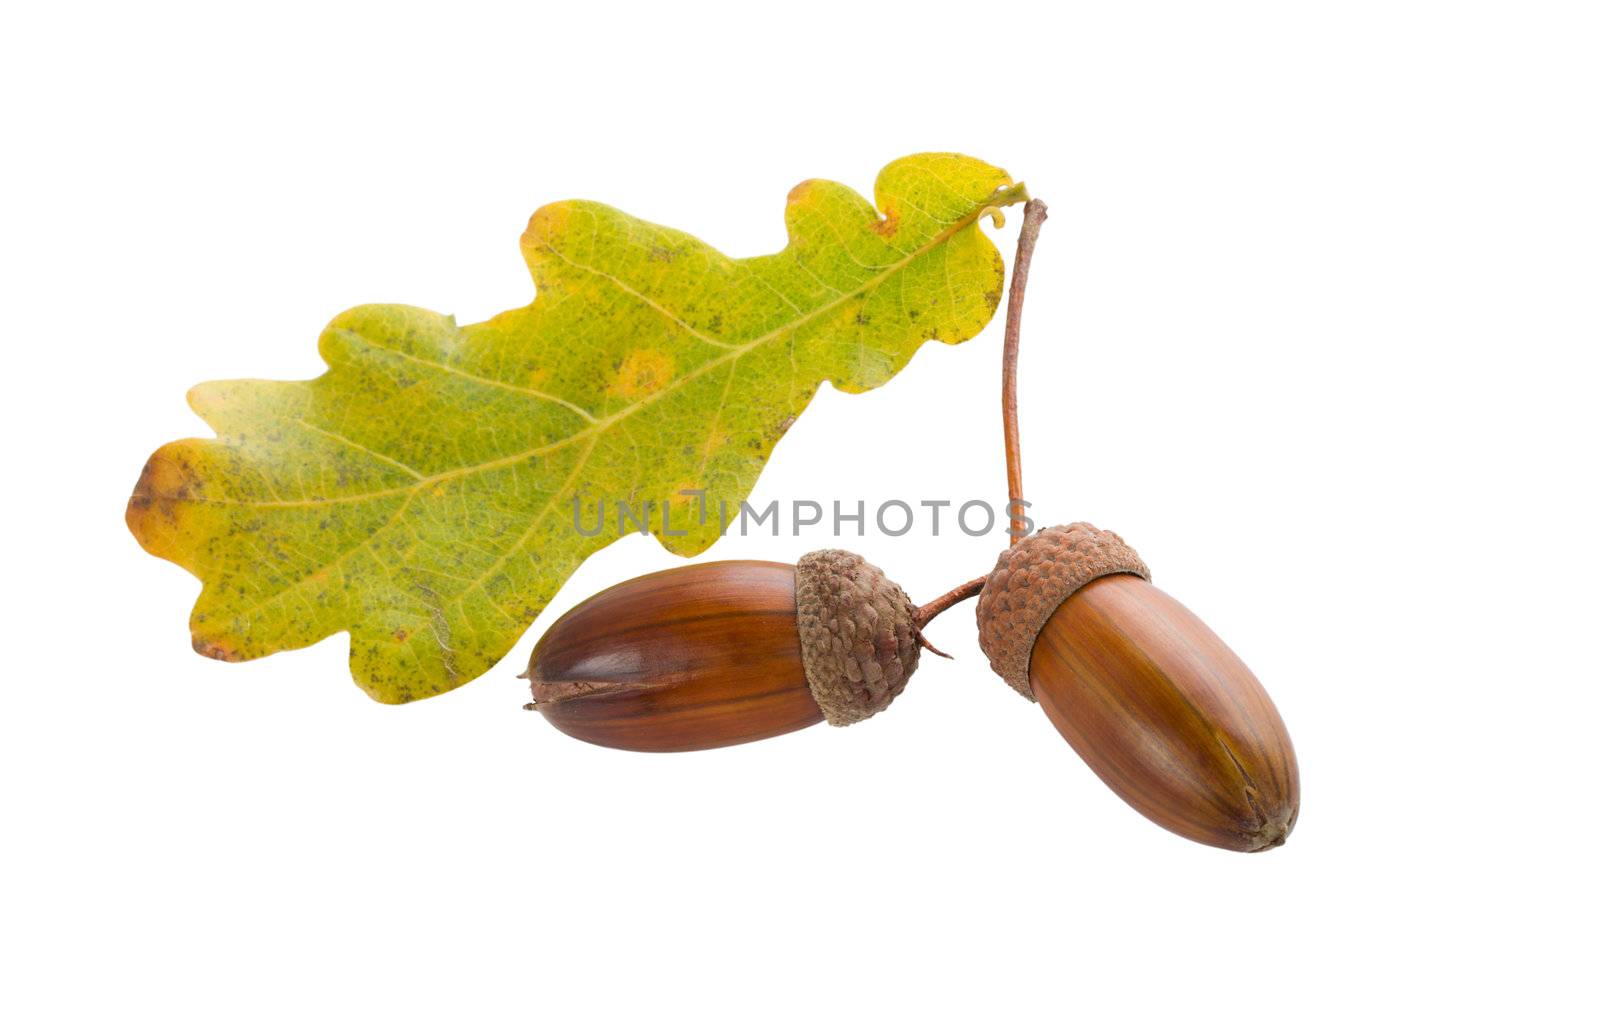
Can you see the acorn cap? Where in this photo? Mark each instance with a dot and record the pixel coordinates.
(1031, 580)
(858, 634)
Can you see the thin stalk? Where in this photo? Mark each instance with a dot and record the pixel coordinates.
(948, 599)
(1033, 216)
(927, 612)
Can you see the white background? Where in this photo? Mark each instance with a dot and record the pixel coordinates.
(1313, 324)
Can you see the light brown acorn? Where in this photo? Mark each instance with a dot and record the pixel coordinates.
(721, 653)
(1153, 701)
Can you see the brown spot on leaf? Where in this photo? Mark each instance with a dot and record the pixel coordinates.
(165, 485)
(641, 372)
(889, 225)
(401, 634)
(215, 650)
(162, 484)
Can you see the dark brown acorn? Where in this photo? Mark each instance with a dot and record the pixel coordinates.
(721, 653)
(1153, 701)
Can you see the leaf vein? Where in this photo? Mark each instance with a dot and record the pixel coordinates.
(335, 436)
(356, 336)
(641, 297)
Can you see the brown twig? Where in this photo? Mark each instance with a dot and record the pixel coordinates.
(925, 643)
(948, 599)
(1033, 216)
(927, 612)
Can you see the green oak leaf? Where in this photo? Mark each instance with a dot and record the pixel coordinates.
(420, 493)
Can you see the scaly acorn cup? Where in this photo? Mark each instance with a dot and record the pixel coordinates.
(1152, 700)
(721, 653)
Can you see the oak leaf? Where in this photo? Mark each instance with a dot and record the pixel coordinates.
(420, 493)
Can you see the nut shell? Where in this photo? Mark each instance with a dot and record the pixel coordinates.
(694, 657)
(1030, 581)
(858, 634)
(1167, 715)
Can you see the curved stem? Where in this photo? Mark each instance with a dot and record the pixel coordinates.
(948, 599)
(927, 612)
(1033, 216)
